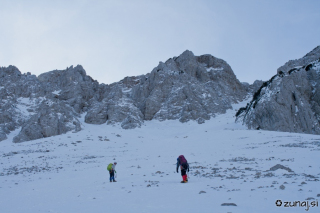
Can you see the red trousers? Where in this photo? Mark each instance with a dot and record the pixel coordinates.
(184, 174)
(184, 177)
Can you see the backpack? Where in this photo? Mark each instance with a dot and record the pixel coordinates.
(185, 166)
(182, 160)
(109, 167)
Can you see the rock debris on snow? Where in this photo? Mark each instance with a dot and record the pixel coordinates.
(228, 204)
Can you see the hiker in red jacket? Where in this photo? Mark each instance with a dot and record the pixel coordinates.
(184, 167)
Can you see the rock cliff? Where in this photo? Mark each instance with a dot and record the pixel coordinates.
(290, 100)
(186, 87)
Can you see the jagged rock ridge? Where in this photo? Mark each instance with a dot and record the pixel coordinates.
(43, 106)
(187, 88)
(184, 88)
(290, 100)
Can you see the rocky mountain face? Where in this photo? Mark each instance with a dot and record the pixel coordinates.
(43, 106)
(15, 88)
(185, 88)
(253, 88)
(290, 100)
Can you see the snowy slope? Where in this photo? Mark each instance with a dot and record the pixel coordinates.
(229, 165)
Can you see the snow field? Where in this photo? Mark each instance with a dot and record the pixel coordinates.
(228, 164)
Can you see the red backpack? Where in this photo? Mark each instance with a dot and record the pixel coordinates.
(182, 160)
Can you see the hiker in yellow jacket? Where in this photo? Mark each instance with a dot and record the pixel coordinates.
(111, 169)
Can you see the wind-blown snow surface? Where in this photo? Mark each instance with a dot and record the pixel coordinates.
(229, 165)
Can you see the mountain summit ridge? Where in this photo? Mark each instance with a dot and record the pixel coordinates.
(186, 87)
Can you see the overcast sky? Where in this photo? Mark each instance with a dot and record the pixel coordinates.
(115, 39)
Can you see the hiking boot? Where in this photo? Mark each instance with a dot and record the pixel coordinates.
(184, 181)
(114, 181)
(110, 181)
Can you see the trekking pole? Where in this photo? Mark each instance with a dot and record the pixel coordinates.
(116, 175)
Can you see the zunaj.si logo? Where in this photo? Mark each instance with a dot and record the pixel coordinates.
(305, 204)
(278, 203)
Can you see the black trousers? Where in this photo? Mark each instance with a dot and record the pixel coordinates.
(111, 175)
(183, 172)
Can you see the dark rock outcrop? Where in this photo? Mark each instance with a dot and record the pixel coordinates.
(253, 88)
(298, 63)
(290, 100)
